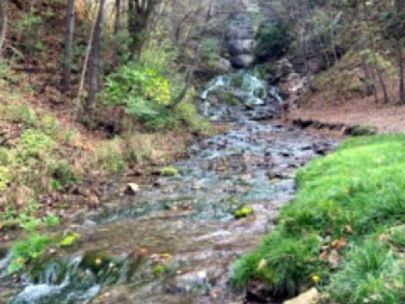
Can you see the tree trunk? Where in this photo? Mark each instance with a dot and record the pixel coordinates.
(401, 72)
(3, 24)
(67, 60)
(117, 27)
(94, 70)
(400, 6)
(139, 13)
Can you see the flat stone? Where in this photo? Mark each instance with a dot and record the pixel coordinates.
(311, 296)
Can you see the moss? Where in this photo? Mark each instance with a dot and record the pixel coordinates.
(168, 171)
(69, 240)
(95, 261)
(158, 269)
(243, 211)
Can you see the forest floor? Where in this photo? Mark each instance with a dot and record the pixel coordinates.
(386, 118)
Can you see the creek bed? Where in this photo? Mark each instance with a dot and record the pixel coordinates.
(175, 241)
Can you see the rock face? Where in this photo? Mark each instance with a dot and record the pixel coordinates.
(240, 40)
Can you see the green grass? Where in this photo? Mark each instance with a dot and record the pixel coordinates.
(355, 194)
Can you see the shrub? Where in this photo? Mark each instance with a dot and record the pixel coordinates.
(272, 40)
(143, 92)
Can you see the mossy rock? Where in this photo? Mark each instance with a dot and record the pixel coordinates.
(169, 171)
(159, 269)
(95, 261)
(243, 211)
(361, 130)
(69, 240)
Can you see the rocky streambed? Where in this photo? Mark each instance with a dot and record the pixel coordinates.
(175, 241)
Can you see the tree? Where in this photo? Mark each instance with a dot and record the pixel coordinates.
(68, 39)
(117, 27)
(94, 71)
(139, 13)
(3, 24)
(400, 9)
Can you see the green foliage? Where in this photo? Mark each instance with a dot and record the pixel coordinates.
(371, 274)
(24, 251)
(272, 40)
(353, 194)
(51, 220)
(143, 92)
(35, 144)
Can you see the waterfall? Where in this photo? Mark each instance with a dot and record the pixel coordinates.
(241, 94)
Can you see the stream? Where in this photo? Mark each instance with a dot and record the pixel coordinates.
(175, 241)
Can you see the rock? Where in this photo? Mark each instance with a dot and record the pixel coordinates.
(240, 40)
(243, 211)
(242, 61)
(311, 296)
(132, 189)
(188, 282)
(241, 46)
(93, 201)
(221, 66)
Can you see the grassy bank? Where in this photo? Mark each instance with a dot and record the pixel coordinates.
(344, 231)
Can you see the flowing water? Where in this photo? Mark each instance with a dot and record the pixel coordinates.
(175, 241)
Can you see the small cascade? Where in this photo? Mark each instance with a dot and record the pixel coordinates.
(239, 95)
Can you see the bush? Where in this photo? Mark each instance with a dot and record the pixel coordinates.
(272, 40)
(143, 92)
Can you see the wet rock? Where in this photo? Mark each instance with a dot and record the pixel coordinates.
(243, 211)
(240, 39)
(189, 282)
(311, 296)
(243, 61)
(132, 189)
